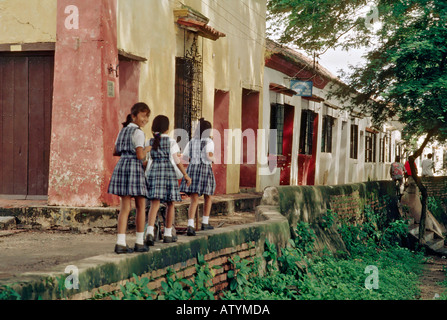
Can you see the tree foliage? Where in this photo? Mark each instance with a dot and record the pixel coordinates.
(405, 75)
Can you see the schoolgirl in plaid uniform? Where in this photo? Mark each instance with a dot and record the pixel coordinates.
(200, 151)
(162, 178)
(128, 179)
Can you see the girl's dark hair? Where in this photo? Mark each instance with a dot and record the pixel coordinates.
(136, 109)
(159, 125)
(204, 125)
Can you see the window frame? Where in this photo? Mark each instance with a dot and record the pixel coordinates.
(354, 142)
(327, 133)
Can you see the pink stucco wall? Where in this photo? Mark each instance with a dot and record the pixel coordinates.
(82, 138)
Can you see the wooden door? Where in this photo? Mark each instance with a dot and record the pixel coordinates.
(250, 118)
(287, 142)
(220, 123)
(308, 148)
(26, 89)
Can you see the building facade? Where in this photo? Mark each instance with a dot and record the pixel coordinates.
(319, 142)
(71, 70)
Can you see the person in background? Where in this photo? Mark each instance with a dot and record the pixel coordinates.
(162, 179)
(397, 172)
(200, 151)
(408, 168)
(428, 166)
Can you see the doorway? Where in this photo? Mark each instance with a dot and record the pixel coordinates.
(287, 143)
(220, 124)
(250, 119)
(26, 91)
(308, 148)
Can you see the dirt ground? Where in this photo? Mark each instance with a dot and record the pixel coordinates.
(28, 250)
(434, 273)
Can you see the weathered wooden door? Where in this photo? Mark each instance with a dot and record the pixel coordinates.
(220, 123)
(26, 90)
(287, 143)
(250, 119)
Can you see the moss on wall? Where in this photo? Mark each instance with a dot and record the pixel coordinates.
(311, 204)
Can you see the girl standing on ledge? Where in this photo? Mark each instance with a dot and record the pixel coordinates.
(128, 178)
(162, 178)
(200, 151)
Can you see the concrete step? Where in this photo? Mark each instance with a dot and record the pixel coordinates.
(222, 205)
(86, 219)
(7, 223)
(414, 230)
(436, 244)
(433, 242)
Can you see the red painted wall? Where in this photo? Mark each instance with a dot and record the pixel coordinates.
(220, 123)
(82, 137)
(129, 82)
(287, 142)
(250, 120)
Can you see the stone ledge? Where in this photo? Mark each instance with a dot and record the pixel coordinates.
(112, 270)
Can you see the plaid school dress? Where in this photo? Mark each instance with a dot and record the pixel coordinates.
(199, 170)
(161, 175)
(128, 177)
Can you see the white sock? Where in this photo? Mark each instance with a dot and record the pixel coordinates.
(150, 230)
(205, 219)
(191, 223)
(140, 238)
(168, 232)
(121, 239)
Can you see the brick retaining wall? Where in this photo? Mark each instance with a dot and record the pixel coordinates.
(280, 210)
(436, 186)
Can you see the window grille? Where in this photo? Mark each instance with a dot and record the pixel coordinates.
(306, 132)
(189, 86)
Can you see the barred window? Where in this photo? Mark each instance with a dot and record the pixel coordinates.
(370, 146)
(188, 86)
(277, 122)
(326, 140)
(306, 132)
(385, 149)
(354, 142)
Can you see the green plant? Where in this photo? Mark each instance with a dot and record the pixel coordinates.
(304, 237)
(269, 255)
(8, 293)
(327, 220)
(200, 287)
(239, 274)
(291, 261)
(376, 229)
(172, 288)
(437, 207)
(301, 274)
(136, 290)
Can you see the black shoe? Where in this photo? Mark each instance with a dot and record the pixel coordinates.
(190, 231)
(140, 248)
(169, 239)
(119, 249)
(150, 240)
(206, 226)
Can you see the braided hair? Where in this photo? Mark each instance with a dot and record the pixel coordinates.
(159, 125)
